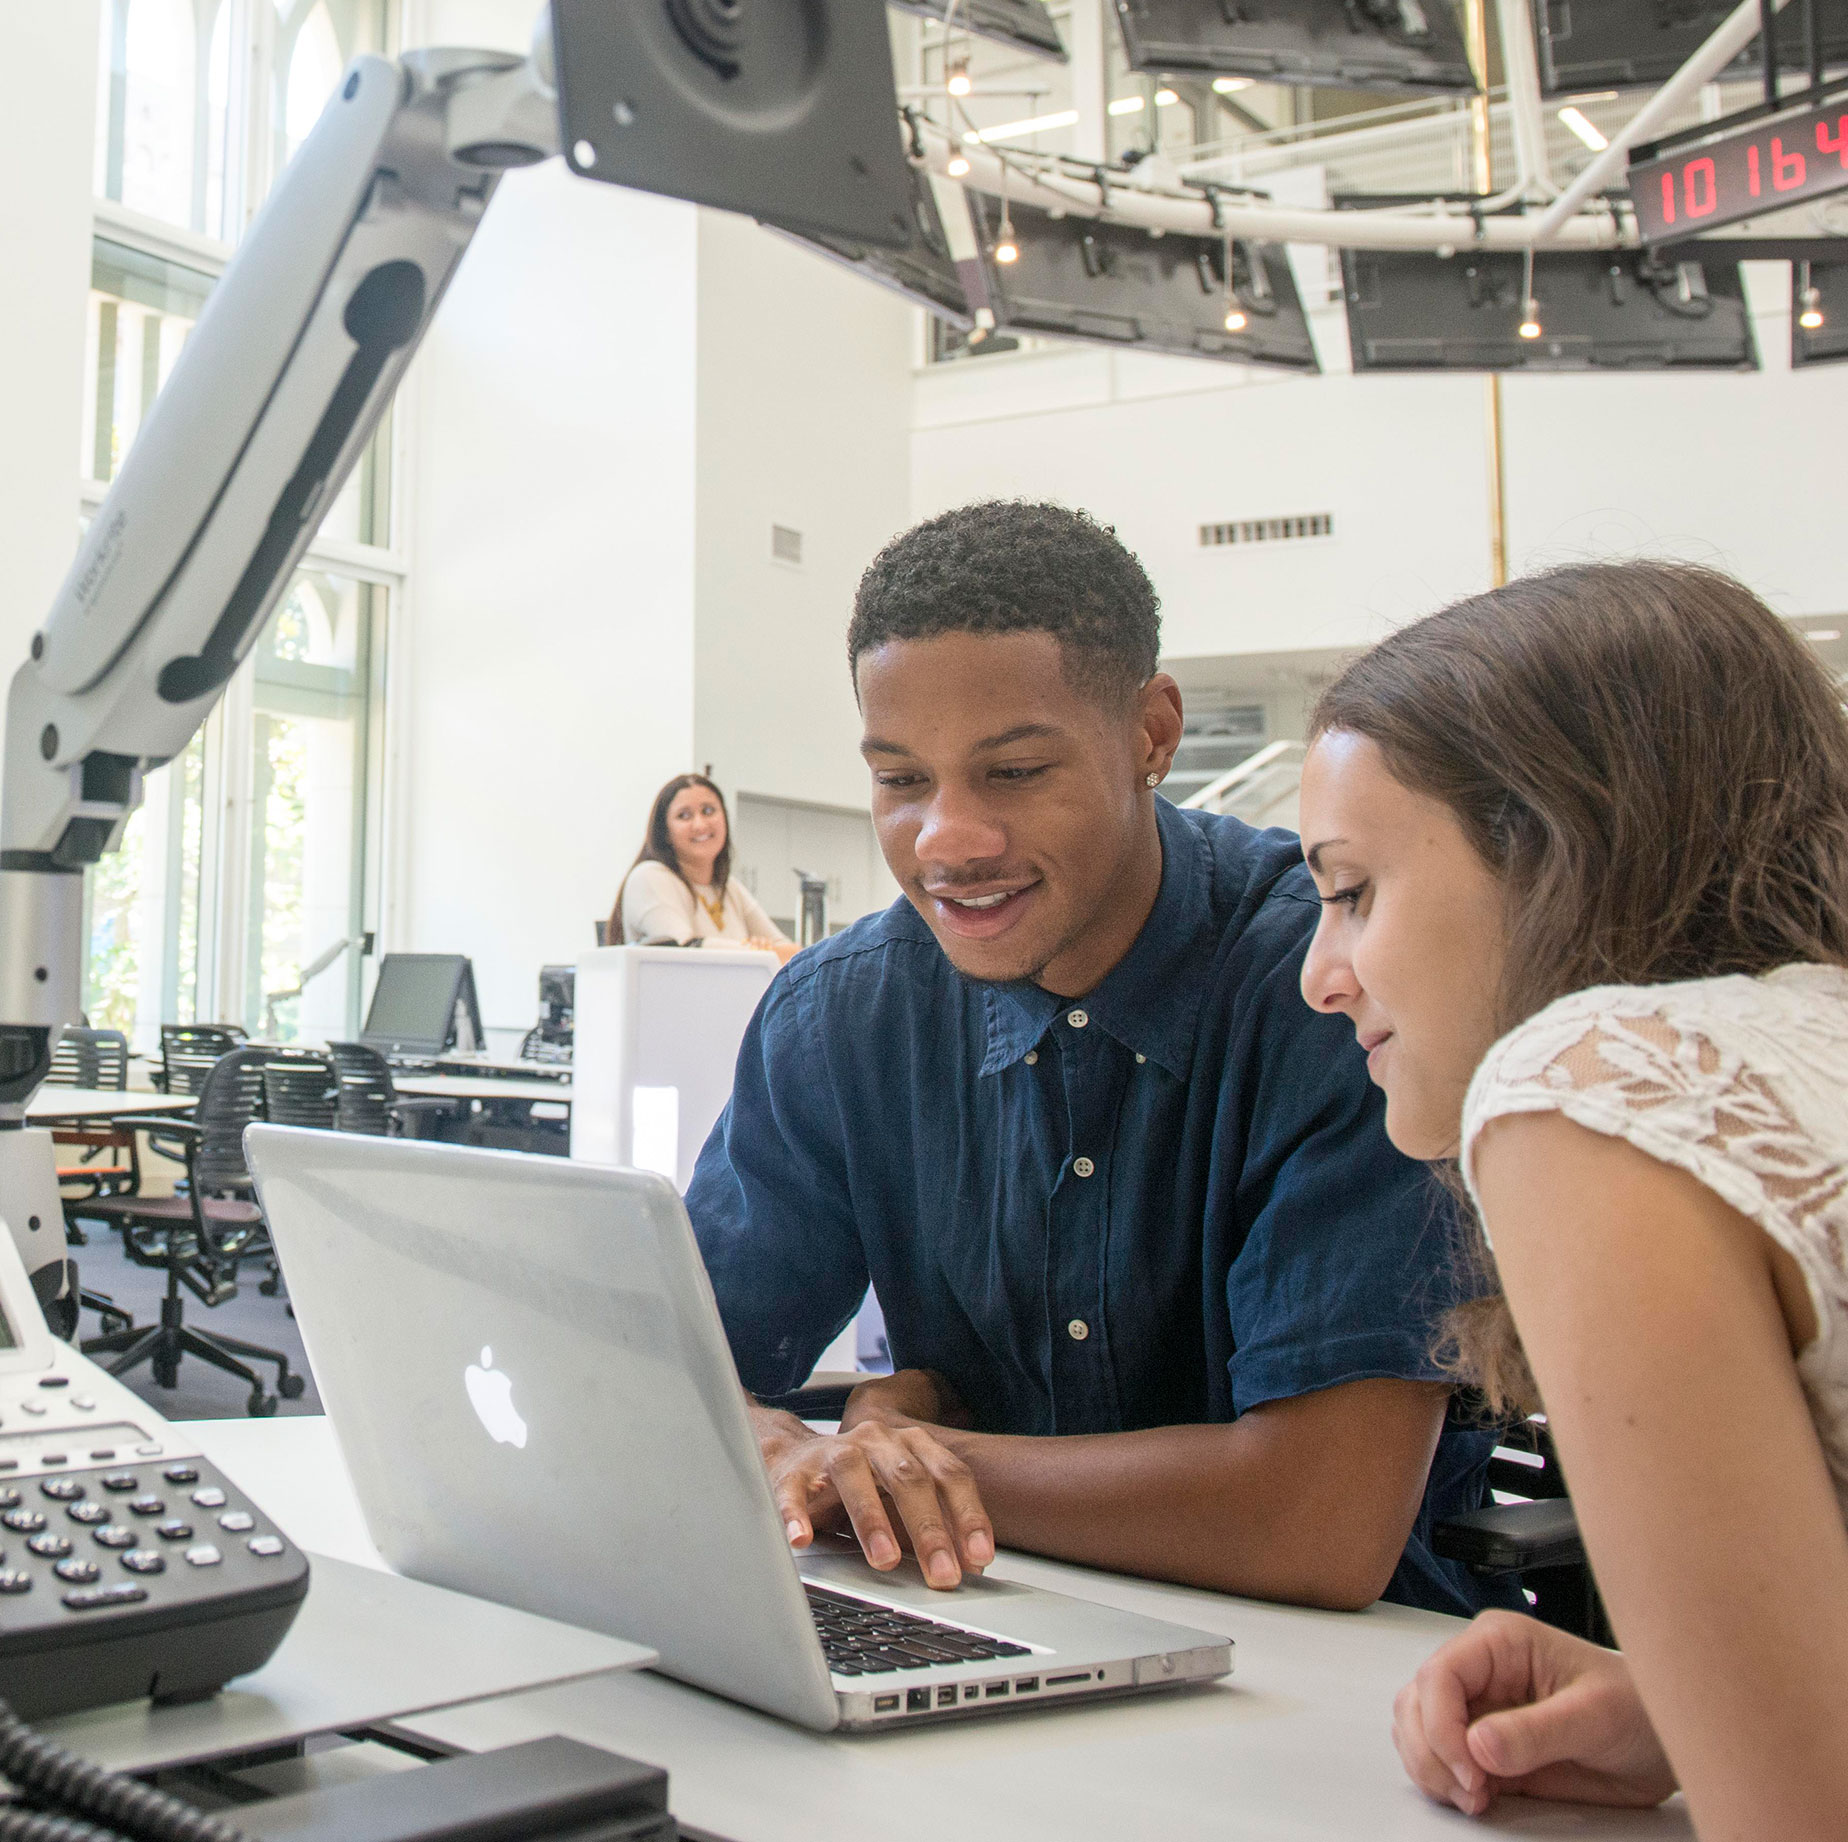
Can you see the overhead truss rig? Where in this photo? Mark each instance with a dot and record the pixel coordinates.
(1594, 211)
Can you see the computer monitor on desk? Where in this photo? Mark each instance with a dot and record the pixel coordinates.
(423, 1005)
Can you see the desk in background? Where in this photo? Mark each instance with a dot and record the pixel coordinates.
(1296, 1744)
(507, 1114)
(72, 1105)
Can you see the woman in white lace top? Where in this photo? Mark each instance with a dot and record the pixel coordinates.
(1582, 845)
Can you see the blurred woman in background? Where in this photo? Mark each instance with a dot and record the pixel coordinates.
(680, 888)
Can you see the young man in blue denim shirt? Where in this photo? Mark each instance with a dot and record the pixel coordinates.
(1158, 1290)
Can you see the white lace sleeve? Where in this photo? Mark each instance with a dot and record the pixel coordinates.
(1691, 1076)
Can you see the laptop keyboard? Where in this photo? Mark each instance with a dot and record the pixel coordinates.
(862, 1639)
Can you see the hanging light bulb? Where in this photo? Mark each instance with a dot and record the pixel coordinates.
(1809, 300)
(1006, 249)
(1236, 318)
(957, 167)
(959, 83)
(1529, 327)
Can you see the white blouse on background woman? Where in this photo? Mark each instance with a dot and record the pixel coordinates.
(1743, 1083)
(657, 904)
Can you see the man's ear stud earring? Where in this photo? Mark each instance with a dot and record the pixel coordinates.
(1151, 780)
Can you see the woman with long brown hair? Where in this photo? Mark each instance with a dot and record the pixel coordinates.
(1582, 845)
(680, 887)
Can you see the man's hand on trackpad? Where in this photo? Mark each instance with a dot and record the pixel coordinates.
(891, 1478)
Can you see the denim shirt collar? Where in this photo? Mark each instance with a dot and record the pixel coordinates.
(1149, 1000)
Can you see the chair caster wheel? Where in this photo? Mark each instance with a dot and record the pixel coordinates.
(291, 1387)
(261, 1406)
(268, 1287)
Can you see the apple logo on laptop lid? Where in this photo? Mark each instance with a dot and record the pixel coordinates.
(490, 1393)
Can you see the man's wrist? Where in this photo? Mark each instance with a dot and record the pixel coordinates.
(907, 1397)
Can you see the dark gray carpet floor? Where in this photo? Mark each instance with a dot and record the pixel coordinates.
(204, 1393)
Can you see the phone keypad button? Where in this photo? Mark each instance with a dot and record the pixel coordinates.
(89, 1598)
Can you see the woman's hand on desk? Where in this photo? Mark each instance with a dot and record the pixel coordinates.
(1513, 1705)
(785, 950)
(880, 1462)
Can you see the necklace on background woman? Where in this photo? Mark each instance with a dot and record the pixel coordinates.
(715, 909)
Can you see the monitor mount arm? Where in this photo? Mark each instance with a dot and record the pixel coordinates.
(279, 388)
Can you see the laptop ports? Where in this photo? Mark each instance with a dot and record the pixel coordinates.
(917, 1701)
(1027, 1685)
(885, 1704)
(992, 1689)
(946, 1697)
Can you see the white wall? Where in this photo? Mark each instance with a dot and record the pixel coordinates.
(550, 651)
(1399, 461)
(620, 396)
(1738, 471)
(1730, 468)
(47, 140)
(804, 413)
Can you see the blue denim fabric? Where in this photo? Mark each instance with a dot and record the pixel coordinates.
(1246, 1232)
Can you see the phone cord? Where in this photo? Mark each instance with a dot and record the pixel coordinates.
(52, 1775)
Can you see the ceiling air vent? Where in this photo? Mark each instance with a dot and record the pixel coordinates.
(785, 544)
(1268, 530)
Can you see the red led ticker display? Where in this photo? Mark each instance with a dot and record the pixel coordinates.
(1778, 163)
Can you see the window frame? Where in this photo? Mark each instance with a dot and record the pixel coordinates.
(252, 138)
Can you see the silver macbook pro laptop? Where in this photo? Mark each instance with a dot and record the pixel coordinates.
(526, 1370)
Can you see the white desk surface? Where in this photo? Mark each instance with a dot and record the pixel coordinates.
(481, 1087)
(1294, 1747)
(61, 1103)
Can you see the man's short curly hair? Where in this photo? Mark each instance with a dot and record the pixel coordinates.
(1008, 566)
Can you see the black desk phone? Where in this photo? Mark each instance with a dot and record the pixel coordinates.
(129, 1566)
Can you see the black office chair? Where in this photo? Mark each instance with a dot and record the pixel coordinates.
(94, 1059)
(1536, 1537)
(197, 1239)
(300, 1088)
(370, 1103)
(189, 1051)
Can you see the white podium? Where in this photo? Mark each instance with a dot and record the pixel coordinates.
(655, 1041)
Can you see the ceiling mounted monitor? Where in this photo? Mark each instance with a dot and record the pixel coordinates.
(926, 273)
(1818, 313)
(1617, 44)
(1024, 24)
(1596, 310)
(1351, 44)
(782, 109)
(1083, 278)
